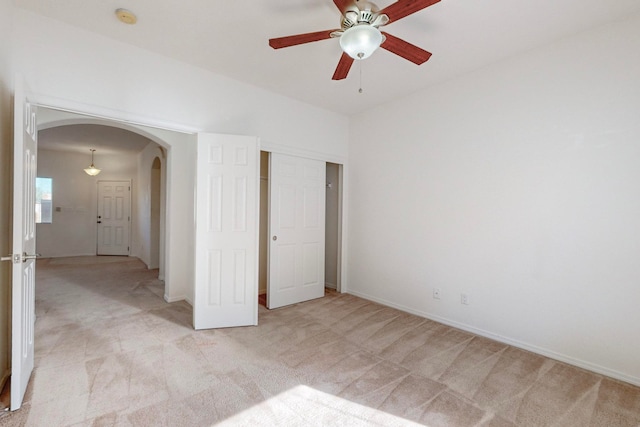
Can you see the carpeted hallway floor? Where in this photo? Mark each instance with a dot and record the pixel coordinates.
(111, 352)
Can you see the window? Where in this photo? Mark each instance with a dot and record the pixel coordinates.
(44, 202)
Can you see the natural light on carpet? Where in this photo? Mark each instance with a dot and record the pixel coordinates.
(303, 405)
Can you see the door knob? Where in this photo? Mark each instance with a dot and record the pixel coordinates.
(26, 257)
(15, 258)
(275, 238)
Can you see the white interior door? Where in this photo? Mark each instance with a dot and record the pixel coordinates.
(114, 217)
(296, 225)
(226, 241)
(24, 245)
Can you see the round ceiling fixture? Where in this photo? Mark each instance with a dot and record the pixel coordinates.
(360, 41)
(126, 16)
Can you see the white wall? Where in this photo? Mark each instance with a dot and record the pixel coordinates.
(6, 89)
(144, 236)
(156, 209)
(67, 63)
(73, 68)
(518, 185)
(73, 230)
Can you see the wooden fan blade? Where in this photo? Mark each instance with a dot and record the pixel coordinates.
(405, 49)
(342, 4)
(402, 8)
(280, 42)
(343, 67)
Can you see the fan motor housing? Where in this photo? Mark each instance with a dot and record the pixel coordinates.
(353, 17)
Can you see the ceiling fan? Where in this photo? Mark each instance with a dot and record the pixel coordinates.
(359, 34)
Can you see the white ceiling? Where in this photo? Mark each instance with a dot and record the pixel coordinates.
(81, 138)
(231, 38)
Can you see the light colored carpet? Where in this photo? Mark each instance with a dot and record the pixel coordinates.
(87, 260)
(111, 352)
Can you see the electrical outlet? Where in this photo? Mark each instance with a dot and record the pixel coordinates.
(436, 293)
(464, 299)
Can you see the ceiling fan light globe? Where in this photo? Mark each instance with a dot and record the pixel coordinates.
(361, 41)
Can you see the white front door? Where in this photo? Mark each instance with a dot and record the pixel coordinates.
(226, 235)
(114, 217)
(297, 223)
(25, 152)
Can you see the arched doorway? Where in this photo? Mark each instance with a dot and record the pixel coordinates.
(159, 152)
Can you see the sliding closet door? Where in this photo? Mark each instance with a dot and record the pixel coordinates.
(297, 230)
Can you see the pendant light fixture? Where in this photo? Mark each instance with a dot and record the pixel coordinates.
(92, 170)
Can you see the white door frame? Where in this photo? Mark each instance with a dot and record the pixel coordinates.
(93, 115)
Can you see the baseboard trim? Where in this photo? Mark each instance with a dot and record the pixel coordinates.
(70, 255)
(174, 299)
(506, 340)
(330, 285)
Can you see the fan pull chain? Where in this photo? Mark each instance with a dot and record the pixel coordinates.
(360, 65)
